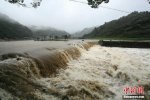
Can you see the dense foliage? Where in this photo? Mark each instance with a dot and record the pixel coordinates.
(36, 3)
(135, 25)
(10, 29)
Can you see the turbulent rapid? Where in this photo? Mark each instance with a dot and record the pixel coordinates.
(82, 71)
(20, 72)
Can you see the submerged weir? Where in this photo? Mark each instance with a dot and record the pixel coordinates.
(77, 72)
(19, 73)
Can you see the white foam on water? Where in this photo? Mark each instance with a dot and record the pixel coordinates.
(100, 73)
(94, 64)
(6, 95)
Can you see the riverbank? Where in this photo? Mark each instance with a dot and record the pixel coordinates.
(125, 43)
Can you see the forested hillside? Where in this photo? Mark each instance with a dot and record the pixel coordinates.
(135, 25)
(83, 32)
(12, 30)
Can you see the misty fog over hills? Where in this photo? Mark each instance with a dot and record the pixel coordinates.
(39, 60)
(13, 30)
(47, 31)
(135, 25)
(83, 32)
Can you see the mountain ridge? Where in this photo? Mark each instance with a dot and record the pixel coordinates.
(13, 30)
(134, 25)
(81, 33)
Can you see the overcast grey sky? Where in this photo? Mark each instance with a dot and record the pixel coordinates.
(71, 16)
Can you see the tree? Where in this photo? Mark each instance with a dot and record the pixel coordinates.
(96, 3)
(56, 37)
(135, 25)
(66, 37)
(36, 3)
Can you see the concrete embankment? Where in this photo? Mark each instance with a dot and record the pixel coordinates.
(127, 44)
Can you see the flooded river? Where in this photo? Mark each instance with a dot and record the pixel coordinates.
(90, 73)
(102, 73)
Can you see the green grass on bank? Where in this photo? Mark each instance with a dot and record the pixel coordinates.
(123, 38)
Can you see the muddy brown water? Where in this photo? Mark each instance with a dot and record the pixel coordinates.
(84, 72)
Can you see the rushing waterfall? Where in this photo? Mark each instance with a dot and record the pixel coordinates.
(19, 72)
(77, 72)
